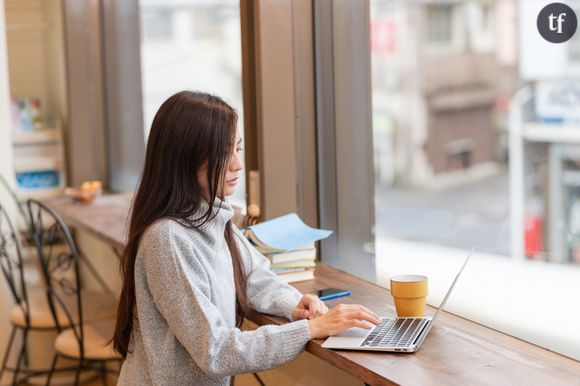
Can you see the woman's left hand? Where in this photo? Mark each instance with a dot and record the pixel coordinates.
(309, 307)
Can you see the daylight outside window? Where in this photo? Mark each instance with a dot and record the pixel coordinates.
(440, 122)
(191, 45)
(476, 146)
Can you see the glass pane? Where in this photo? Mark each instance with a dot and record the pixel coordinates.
(191, 45)
(473, 148)
(440, 90)
(447, 174)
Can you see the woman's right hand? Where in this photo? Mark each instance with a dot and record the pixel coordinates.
(340, 318)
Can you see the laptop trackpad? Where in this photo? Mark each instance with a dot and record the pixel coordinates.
(354, 332)
(353, 337)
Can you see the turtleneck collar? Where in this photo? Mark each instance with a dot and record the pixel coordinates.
(214, 229)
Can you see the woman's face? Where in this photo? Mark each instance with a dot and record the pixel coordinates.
(234, 167)
(232, 172)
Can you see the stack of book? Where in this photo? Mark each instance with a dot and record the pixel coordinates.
(289, 244)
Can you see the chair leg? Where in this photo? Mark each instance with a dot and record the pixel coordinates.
(26, 356)
(20, 357)
(51, 371)
(104, 373)
(257, 377)
(78, 372)
(7, 352)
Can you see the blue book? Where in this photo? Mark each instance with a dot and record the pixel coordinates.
(283, 234)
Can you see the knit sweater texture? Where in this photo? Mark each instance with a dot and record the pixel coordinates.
(184, 331)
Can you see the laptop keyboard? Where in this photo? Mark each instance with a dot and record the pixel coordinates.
(400, 332)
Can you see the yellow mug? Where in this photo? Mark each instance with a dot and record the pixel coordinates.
(409, 292)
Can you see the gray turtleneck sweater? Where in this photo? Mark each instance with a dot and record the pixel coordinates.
(184, 331)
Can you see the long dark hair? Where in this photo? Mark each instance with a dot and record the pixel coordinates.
(191, 130)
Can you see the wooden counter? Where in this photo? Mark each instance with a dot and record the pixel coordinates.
(106, 218)
(456, 352)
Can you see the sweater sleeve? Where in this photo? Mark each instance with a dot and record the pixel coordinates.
(180, 288)
(267, 293)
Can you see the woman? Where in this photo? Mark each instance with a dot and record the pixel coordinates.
(189, 275)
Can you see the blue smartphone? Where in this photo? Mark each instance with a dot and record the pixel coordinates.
(331, 293)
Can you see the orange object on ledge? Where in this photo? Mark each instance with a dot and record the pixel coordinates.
(87, 193)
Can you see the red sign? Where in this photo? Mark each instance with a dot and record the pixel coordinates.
(383, 36)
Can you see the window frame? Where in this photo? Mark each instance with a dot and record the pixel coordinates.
(279, 92)
(345, 159)
(105, 137)
(123, 97)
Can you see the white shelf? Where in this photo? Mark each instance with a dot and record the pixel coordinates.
(36, 138)
(541, 132)
(35, 42)
(36, 164)
(40, 193)
(28, 26)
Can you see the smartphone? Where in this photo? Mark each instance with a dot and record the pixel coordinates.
(331, 293)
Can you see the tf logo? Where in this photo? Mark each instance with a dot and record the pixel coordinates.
(557, 23)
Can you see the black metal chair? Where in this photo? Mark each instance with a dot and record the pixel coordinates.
(30, 310)
(13, 269)
(84, 319)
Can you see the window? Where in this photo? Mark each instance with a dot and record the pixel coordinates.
(191, 45)
(486, 17)
(439, 19)
(481, 26)
(440, 131)
(450, 177)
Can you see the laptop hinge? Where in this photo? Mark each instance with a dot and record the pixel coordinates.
(421, 332)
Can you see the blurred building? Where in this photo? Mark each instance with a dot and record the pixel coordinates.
(442, 75)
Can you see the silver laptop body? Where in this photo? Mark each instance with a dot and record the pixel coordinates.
(393, 334)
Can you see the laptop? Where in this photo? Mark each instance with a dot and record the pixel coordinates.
(393, 334)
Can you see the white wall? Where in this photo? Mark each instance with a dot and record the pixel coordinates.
(6, 169)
